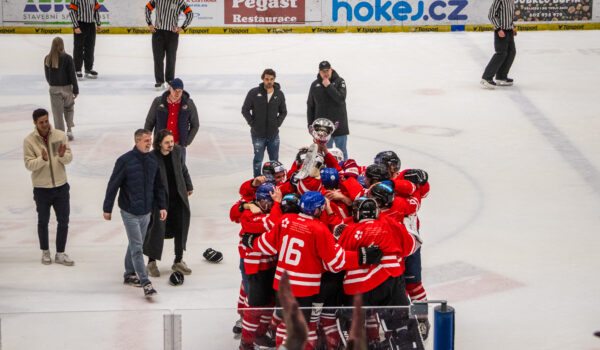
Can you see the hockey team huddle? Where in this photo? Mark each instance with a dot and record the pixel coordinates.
(337, 229)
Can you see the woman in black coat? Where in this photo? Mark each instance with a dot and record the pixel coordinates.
(178, 185)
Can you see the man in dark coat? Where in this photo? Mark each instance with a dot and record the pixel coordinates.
(327, 99)
(175, 111)
(178, 184)
(137, 179)
(264, 109)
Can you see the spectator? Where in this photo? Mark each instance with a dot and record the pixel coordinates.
(175, 111)
(137, 179)
(60, 75)
(327, 99)
(46, 152)
(264, 109)
(178, 185)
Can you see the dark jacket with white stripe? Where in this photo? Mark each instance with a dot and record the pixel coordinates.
(264, 117)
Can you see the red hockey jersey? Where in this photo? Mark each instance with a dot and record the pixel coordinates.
(258, 224)
(306, 249)
(370, 232)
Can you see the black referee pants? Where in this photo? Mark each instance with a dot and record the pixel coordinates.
(164, 43)
(503, 58)
(84, 46)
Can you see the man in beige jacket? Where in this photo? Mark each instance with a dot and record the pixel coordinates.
(46, 152)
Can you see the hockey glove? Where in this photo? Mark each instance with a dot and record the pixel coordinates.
(369, 255)
(247, 239)
(337, 230)
(213, 255)
(416, 176)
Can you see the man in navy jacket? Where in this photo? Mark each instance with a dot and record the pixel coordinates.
(137, 179)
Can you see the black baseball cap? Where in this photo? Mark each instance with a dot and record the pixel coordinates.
(324, 65)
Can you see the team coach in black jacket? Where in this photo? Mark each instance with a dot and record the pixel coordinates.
(265, 110)
(327, 99)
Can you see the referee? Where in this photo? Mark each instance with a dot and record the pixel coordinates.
(165, 35)
(86, 22)
(501, 15)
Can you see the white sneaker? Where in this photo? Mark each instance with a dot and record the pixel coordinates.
(70, 135)
(46, 260)
(62, 258)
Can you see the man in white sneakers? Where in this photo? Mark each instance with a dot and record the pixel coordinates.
(46, 152)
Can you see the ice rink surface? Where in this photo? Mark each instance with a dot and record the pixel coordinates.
(511, 226)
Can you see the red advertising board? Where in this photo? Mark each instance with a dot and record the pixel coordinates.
(264, 12)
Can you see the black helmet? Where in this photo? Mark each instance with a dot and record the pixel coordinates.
(290, 203)
(270, 168)
(364, 208)
(383, 195)
(388, 158)
(377, 173)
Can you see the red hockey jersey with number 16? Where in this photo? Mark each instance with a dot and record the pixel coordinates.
(306, 249)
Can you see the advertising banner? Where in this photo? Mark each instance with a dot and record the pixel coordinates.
(553, 10)
(264, 12)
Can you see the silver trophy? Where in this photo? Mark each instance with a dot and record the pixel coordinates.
(321, 129)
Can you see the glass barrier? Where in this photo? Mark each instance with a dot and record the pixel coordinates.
(97, 330)
(387, 328)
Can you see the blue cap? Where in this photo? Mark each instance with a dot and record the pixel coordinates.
(177, 84)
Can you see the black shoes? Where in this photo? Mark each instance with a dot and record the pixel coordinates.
(149, 291)
(91, 74)
(488, 84)
(504, 82)
(132, 280)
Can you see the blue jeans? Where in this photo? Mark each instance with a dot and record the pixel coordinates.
(136, 226)
(340, 142)
(259, 144)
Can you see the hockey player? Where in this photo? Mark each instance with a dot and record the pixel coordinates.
(258, 269)
(412, 184)
(306, 249)
(379, 284)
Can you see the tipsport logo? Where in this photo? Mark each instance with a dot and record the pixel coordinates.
(386, 10)
(57, 5)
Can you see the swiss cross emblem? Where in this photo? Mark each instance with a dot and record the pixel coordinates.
(285, 222)
(358, 235)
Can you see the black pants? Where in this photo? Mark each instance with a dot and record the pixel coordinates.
(84, 46)
(57, 197)
(164, 42)
(173, 225)
(260, 288)
(503, 58)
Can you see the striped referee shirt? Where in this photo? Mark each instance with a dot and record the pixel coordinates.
(167, 13)
(84, 11)
(502, 13)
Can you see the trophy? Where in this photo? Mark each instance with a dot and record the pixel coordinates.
(321, 129)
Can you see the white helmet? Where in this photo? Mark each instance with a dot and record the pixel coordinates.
(337, 153)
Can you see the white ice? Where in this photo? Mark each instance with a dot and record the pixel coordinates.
(510, 227)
